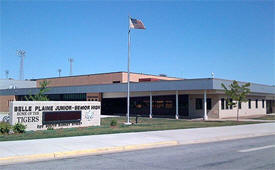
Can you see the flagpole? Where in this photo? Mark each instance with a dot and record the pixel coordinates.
(128, 82)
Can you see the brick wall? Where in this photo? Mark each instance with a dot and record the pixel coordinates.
(244, 111)
(107, 78)
(134, 77)
(4, 103)
(83, 80)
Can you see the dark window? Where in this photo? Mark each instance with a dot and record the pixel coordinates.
(231, 106)
(226, 104)
(209, 104)
(239, 105)
(222, 103)
(161, 105)
(198, 104)
(249, 103)
(61, 117)
(256, 103)
(116, 81)
(262, 103)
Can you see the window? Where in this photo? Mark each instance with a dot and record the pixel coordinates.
(116, 81)
(231, 101)
(198, 104)
(226, 106)
(222, 103)
(209, 104)
(262, 103)
(239, 105)
(249, 103)
(256, 103)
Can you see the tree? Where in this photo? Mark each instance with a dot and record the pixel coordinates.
(41, 95)
(237, 94)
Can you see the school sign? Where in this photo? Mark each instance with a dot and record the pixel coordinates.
(41, 115)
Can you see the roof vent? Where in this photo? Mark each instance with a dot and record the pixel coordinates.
(163, 75)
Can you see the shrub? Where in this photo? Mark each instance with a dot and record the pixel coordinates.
(113, 122)
(50, 128)
(5, 127)
(19, 128)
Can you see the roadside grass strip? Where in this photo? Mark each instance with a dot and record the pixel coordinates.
(144, 124)
(266, 117)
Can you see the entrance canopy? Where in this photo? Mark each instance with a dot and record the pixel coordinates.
(186, 84)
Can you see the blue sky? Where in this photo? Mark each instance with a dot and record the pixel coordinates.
(189, 39)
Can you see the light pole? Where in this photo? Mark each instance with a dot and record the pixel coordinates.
(71, 60)
(59, 72)
(7, 74)
(21, 54)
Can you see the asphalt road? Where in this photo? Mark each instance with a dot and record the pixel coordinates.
(250, 153)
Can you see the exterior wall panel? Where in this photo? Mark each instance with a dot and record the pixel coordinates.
(4, 103)
(212, 113)
(244, 111)
(134, 77)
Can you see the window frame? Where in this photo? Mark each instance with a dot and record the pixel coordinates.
(198, 104)
(239, 105)
(222, 104)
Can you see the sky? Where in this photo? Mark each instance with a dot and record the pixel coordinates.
(187, 39)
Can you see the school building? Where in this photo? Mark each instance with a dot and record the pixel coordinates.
(151, 95)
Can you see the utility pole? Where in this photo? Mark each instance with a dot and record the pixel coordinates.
(21, 54)
(7, 74)
(59, 72)
(71, 60)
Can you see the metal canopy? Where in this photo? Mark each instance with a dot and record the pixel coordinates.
(187, 84)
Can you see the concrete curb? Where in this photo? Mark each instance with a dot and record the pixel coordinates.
(67, 154)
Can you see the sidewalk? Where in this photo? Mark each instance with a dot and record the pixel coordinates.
(39, 149)
(243, 120)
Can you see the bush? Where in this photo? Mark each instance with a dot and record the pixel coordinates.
(50, 128)
(19, 128)
(5, 127)
(113, 122)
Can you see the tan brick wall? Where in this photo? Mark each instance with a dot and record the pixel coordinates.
(107, 78)
(4, 103)
(212, 113)
(134, 77)
(83, 80)
(244, 111)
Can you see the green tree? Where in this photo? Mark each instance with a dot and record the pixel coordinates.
(237, 93)
(41, 95)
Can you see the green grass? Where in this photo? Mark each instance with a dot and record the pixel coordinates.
(266, 117)
(145, 124)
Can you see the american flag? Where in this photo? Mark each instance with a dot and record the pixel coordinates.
(136, 24)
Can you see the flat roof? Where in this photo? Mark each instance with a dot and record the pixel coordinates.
(104, 73)
(186, 84)
(11, 83)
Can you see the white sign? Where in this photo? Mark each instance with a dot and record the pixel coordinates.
(40, 115)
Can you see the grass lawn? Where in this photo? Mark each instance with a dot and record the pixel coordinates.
(145, 124)
(266, 117)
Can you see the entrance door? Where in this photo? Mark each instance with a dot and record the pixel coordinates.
(183, 105)
(269, 106)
